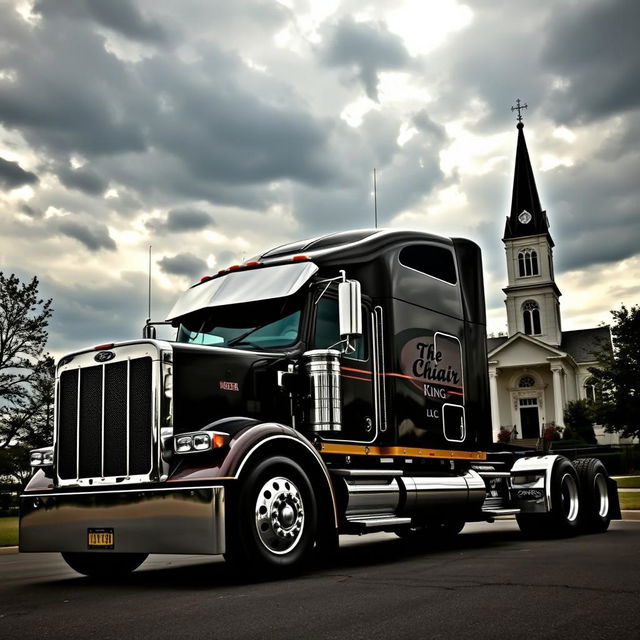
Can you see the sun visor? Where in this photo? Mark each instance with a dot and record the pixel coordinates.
(238, 287)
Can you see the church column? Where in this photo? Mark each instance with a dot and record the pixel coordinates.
(495, 406)
(558, 396)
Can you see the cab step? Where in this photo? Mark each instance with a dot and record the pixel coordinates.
(371, 523)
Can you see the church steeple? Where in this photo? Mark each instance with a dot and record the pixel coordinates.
(527, 217)
(532, 296)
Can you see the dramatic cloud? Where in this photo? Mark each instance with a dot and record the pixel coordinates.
(182, 220)
(368, 48)
(82, 179)
(120, 15)
(594, 52)
(215, 130)
(94, 236)
(12, 175)
(184, 264)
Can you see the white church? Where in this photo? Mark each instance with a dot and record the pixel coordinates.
(537, 368)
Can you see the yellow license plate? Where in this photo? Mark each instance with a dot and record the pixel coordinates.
(100, 538)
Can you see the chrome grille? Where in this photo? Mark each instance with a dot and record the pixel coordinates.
(105, 421)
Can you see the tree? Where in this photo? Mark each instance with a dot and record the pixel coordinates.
(578, 421)
(617, 375)
(26, 370)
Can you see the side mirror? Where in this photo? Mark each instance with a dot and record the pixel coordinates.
(350, 309)
(149, 331)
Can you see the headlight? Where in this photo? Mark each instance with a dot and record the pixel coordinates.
(199, 441)
(41, 457)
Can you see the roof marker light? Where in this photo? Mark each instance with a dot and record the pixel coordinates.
(234, 267)
(300, 258)
(253, 263)
(205, 278)
(107, 345)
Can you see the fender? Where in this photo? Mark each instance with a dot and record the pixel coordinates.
(250, 441)
(537, 470)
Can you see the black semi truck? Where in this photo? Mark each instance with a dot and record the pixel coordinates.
(328, 386)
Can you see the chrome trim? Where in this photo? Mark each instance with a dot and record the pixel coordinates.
(77, 430)
(541, 466)
(322, 368)
(464, 422)
(382, 368)
(102, 424)
(186, 520)
(137, 489)
(128, 416)
(367, 472)
(125, 352)
(375, 361)
(379, 521)
(369, 497)
(450, 404)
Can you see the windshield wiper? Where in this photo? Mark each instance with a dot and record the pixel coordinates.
(246, 334)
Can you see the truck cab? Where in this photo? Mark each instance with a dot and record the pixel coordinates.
(335, 385)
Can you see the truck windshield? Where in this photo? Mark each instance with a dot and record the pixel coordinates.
(249, 331)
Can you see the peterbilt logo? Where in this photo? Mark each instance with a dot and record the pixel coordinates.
(104, 356)
(524, 494)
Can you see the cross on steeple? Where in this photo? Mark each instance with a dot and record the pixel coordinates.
(519, 108)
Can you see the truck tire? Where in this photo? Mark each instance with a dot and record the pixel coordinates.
(272, 525)
(104, 565)
(563, 518)
(595, 510)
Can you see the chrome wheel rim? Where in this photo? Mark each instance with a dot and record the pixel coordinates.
(601, 495)
(569, 497)
(279, 515)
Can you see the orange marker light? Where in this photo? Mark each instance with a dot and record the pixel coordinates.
(219, 440)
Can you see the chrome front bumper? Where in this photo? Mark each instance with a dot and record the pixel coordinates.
(186, 520)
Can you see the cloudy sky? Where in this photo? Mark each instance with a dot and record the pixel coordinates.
(214, 129)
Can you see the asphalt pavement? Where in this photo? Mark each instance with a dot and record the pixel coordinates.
(489, 583)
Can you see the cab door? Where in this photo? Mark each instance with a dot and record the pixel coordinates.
(356, 371)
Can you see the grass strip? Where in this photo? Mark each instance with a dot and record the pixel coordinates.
(629, 500)
(628, 482)
(8, 532)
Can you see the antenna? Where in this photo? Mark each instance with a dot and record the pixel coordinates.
(149, 331)
(375, 199)
(149, 309)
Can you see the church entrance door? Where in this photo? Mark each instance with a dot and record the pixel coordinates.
(529, 420)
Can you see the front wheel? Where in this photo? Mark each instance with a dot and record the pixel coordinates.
(104, 565)
(273, 523)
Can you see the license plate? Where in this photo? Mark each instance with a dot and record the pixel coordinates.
(100, 538)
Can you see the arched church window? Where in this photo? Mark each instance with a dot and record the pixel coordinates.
(531, 317)
(528, 263)
(591, 389)
(526, 382)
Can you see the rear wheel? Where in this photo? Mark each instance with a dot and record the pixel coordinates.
(595, 512)
(274, 520)
(104, 565)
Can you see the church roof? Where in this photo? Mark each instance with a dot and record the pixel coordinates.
(583, 344)
(525, 199)
(494, 343)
